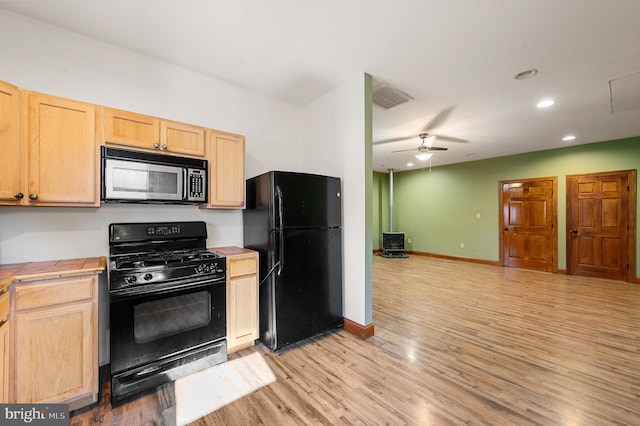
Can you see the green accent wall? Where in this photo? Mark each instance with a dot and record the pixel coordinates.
(437, 209)
(380, 202)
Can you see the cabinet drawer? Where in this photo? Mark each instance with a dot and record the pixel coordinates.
(4, 306)
(243, 266)
(53, 293)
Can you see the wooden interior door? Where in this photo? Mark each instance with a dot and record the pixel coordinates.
(528, 222)
(601, 218)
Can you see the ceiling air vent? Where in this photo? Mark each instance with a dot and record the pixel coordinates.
(625, 93)
(387, 96)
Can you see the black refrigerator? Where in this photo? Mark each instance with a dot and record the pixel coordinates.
(294, 221)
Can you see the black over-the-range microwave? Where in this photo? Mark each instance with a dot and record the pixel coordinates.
(141, 177)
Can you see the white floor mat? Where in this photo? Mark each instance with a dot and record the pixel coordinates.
(205, 391)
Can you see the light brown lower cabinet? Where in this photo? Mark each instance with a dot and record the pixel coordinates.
(55, 349)
(242, 297)
(4, 347)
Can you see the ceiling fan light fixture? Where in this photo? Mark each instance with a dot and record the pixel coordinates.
(424, 156)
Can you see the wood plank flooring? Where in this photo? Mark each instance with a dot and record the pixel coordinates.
(455, 343)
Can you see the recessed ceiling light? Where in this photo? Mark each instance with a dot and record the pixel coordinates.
(526, 74)
(545, 103)
(409, 164)
(569, 138)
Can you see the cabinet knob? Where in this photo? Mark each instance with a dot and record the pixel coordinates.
(164, 146)
(156, 145)
(19, 195)
(33, 196)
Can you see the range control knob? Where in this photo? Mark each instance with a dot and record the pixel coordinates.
(130, 279)
(147, 276)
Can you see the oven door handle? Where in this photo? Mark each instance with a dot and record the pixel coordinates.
(164, 288)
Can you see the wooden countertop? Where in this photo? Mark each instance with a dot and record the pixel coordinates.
(231, 250)
(49, 269)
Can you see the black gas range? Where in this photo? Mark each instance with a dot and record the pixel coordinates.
(168, 304)
(143, 256)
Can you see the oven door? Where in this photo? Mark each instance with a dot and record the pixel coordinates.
(126, 180)
(147, 328)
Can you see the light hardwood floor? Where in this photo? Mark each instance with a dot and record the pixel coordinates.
(454, 343)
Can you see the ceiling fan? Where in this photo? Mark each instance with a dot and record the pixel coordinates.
(427, 132)
(425, 147)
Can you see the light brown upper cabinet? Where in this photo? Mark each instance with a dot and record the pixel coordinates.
(225, 153)
(10, 156)
(59, 157)
(138, 131)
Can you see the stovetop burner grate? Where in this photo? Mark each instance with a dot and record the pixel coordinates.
(156, 256)
(162, 257)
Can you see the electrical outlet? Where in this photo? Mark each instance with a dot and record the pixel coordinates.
(477, 215)
(408, 240)
(461, 245)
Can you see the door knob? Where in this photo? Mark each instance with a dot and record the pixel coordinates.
(33, 196)
(573, 231)
(164, 146)
(156, 145)
(506, 229)
(19, 195)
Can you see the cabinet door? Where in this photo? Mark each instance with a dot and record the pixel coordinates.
(62, 153)
(4, 362)
(183, 139)
(226, 166)
(129, 129)
(4, 347)
(242, 301)
(55, 358)
(10, 158)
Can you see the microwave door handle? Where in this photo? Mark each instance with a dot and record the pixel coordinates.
(185, 184)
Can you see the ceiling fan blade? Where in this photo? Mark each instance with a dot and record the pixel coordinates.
(438, 148)
(450, 139)
(404, 150)
(383, 141)
(429, 140)
(439, 119)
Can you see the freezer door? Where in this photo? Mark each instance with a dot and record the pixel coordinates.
(308, 291)
(305, 201)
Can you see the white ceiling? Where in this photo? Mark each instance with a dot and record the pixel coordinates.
(456, 58)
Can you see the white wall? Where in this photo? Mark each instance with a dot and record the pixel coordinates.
(40, 57)
(338, 123)
(326, 137)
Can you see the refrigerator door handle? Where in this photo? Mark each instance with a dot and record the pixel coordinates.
(280, 236)
(280, 252)
(279, 198)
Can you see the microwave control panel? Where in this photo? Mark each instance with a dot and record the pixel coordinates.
(197, 185)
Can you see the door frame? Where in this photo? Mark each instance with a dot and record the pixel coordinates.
(632, 202)
(554, 219)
